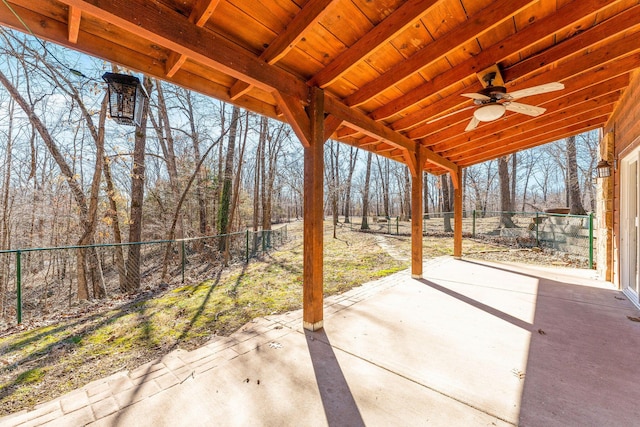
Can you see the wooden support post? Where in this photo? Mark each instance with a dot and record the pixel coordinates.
(416, 218)
(457, 215)
(313, 216)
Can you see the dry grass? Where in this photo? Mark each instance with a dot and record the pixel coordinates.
(42, 363)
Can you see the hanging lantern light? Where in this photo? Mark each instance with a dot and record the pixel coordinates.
(603, 169)
(126, 98)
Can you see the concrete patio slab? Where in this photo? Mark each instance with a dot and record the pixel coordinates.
(473, 344)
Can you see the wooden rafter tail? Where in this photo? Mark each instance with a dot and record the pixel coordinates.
(169, 29)
(75, 15)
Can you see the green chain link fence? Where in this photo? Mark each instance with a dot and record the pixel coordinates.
(38, 280)
(570, 234)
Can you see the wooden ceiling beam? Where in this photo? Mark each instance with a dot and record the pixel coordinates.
(490, 17)
(366, 125)
(310, 14)
(523, 39)
(539, 127)
(199, 15)
(165, 27)
(366, 45)
(75, 15)
(455, 135)
(570, 67)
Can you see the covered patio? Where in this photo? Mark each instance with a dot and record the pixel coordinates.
(450, 342)
(473, 343)
(432, 84)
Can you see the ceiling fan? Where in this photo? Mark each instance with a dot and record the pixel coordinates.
(493, 101)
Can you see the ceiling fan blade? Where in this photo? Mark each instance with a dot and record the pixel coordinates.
(472, 124)
(527, 109)
(536, 90)
(451, 114)
(476, 96)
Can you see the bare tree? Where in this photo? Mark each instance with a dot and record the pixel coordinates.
(365, 194)
(353, 158)
(137, 198)
(575, 197)
(225, 197)
(505, 194)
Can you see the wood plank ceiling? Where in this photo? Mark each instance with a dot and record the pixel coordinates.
(388, 68)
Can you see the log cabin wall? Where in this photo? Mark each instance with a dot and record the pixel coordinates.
(623, 129)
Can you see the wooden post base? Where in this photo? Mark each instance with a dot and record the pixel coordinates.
(313, 326)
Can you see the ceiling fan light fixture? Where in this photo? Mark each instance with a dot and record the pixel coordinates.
(489, 112)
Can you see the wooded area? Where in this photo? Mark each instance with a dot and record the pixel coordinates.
(200, 167)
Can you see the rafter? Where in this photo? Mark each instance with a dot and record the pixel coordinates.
(366, 45)
(169, 29)
(489, 17)
(200, 14)
(74, 24)
(618, 24)
(523, 39)
(312, 12)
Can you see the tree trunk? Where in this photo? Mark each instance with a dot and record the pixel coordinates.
(137, 199)
(333, 190)
(353, 157)
(514, 169)
(407, 195)
(575, 198)
(236, 184)
(195, 138)
(258, 178)
(505, 195)
(115, 225)
(365, 195)
(425, 196)
(162, 127)
(225, 197)
(446, 203)
(384, 185)
(4, 231)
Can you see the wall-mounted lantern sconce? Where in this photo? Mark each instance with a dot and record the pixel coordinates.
(603, 169)
(126, 98)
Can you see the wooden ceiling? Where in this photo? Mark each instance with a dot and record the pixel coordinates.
(388, 68)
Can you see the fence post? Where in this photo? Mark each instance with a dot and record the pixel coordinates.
(537, 225)
(19, 286)
(184, 259)
(397, 226)
(247, 241)
(591, 240)
(264, 242)
(473, 224)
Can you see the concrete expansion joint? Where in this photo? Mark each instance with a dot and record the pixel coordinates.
(421, 384)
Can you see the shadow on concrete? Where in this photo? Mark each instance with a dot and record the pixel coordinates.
(581, 361)
(340, 407)
(477, 304)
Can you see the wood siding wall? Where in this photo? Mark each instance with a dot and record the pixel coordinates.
(625, 126)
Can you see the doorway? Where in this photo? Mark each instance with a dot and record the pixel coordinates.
(629, 227)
